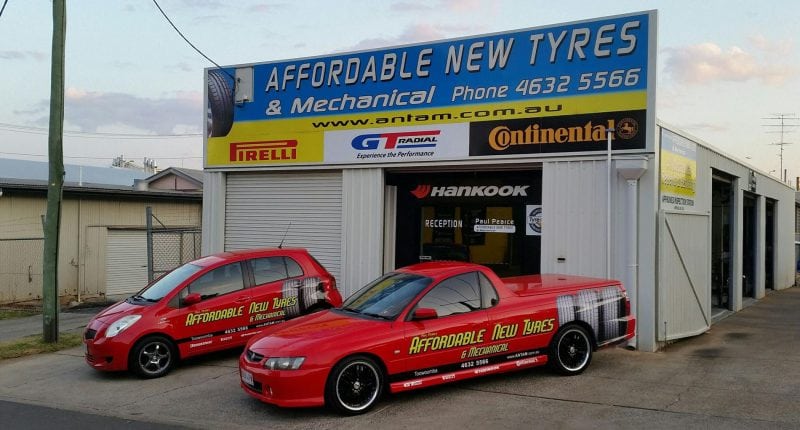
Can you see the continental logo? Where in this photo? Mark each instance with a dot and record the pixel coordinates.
(502, 137)
(266, 150)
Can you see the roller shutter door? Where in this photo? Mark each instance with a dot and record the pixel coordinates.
(126, 262)
(260, 206)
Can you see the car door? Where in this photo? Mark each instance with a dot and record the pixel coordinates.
(272, 299)
(212, 323)
(448, 342)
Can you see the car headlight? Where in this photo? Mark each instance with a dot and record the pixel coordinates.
(121, 324)
(284, 363)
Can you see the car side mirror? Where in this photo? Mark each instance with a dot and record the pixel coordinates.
(424, 314)
(191, 299)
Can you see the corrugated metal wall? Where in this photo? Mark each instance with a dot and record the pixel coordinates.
(260, 206)
(362, 208)
(82, 263)
(574, 217)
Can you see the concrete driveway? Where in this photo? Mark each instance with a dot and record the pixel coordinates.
(743, 374)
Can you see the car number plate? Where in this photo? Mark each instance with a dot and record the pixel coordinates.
(247, 378)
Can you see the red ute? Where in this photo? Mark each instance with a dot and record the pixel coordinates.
(429, 324)
(214, 303)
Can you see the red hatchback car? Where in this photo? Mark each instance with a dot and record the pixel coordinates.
(213, 303)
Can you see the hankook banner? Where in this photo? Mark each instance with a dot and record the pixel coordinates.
(289, 112)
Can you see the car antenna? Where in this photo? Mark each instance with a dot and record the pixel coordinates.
(284, 235)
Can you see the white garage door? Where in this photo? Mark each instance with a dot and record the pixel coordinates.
(126, 262)
(259, 208)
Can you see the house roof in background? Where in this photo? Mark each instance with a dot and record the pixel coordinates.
(18, 171)
(195, 176)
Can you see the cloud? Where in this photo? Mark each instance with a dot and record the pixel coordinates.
(88, 111)
(707, 126)
(455, 6)
(410, 6)
(22, 55)
(265, 8)
(708, 62)
(412, 34)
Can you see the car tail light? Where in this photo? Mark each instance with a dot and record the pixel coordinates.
(327, 284)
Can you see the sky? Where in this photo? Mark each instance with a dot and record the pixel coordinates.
(134, 88)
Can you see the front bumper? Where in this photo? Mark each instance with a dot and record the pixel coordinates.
(284, 388)
(102, 353)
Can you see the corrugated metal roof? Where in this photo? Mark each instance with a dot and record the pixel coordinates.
(74, 174)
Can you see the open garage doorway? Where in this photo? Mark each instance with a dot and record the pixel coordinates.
(721, 241)
(769, 245)
(749, 245)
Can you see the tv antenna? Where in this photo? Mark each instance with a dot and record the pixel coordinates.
(786, 122)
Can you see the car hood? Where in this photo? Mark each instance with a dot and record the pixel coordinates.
(330, 327)
(118, 310)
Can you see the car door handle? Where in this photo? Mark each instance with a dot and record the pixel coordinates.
(242, 299)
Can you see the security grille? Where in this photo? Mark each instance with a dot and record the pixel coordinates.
(169, 247)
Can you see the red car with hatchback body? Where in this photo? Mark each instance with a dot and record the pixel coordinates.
(429, 324)
(213, 303)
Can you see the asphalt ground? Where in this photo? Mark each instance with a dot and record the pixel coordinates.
(742, 374)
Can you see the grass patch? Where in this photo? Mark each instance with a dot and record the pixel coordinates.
(30, 345)
(16, 313)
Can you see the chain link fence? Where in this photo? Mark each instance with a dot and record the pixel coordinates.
(169, 247)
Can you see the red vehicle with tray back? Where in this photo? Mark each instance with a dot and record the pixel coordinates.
(213, 303)
(429, 324)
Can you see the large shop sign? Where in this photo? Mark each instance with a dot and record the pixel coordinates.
(525, 92)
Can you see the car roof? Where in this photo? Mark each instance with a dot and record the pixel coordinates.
(436, 269)
(244, 254)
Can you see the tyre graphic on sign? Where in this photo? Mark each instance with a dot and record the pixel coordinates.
(219, 118)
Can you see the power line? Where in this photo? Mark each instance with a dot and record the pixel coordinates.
(190, 43)
(37, 130)
(97, 158)
(3, 8)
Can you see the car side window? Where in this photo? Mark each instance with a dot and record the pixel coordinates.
(456, 295)
(222, 280)
(294, 270)
(488, 293)
(271, 269)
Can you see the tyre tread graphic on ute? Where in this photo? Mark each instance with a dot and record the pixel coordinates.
(609, 297)
(588, 309)
(220, 104)
(566, 309)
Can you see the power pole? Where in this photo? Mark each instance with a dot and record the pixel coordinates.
(55, 184)
(784, 121)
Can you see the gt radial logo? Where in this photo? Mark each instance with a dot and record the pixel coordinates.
(423, 191)
(399, 140)
(266, 150)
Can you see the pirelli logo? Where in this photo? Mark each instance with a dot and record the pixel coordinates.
(267, 150)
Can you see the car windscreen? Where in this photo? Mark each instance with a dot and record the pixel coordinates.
(161, 287)
(387, 296)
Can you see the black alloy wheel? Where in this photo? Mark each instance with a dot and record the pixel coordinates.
(355, 385)
(571, 350)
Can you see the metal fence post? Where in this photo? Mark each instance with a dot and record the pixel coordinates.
(149, 215)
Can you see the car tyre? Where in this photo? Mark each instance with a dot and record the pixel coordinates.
(153, 357)
(571, 350)
(354, 385)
